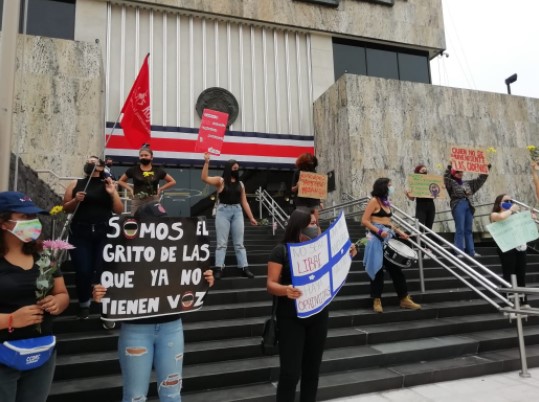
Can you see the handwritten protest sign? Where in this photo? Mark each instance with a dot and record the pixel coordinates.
(211, 133)
(154, 267)
(514, 231)
(313, 185)
(426, 186)
(320, 267)
(469, 160)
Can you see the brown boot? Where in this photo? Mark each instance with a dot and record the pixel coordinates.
(377, 305)
(407, 302)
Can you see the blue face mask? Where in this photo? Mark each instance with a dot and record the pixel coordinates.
(390, 190)
(506, 205)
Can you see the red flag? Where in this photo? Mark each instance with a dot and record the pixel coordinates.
(136, 111)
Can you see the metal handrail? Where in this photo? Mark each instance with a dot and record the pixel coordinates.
(278, 215)
(347, 207)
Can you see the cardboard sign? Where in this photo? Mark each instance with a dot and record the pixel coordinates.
(211, 133)
(514, 231)
(469, 160)
(313, 185)
(154, 267)
(319, 267)
(426, 186)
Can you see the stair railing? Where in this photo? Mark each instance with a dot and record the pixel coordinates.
(278, 215)
(352, 208)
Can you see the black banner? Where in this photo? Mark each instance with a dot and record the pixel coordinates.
(154, 267)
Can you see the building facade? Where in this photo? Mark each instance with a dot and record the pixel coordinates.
(289, 64)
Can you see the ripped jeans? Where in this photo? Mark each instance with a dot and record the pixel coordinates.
(141, 346)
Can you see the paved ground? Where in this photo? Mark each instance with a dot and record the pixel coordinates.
(506, 387)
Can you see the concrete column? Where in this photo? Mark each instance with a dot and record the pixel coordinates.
(8, 50)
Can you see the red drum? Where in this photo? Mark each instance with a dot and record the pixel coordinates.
(399, 253)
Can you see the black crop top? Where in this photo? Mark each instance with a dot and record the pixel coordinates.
(382, 213)
(231, 194)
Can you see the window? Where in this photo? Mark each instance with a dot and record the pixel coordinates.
(380, 61)
(51, 18)
(348, 59)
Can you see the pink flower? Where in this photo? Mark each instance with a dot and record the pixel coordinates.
(57, 245)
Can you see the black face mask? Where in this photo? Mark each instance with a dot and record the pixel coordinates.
(109, 164)
(88, 168)
(310, 231)
(144, 161)
(235, 174)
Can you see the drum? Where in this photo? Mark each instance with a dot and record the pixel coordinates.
(399, 253)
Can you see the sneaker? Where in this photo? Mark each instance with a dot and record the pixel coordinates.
(477, 255)
(377, 305)
(247, 273)
(84, 313)
(108, 324)
(526, 306)
(217, 273)
(408, 303)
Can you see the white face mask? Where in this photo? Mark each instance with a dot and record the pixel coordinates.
(26, 231)
(390, 190)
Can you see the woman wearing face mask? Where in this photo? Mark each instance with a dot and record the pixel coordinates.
(514, 260)
(301, 340)
(377, 219)
(20, 313)
(425, 211)
(460, 194)
(229, 214)
(305, 163)
(146, 178)
(92, 200)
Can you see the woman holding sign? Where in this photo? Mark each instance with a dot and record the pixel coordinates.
(461, 192)
(377, 219)
(305, 163)
(229, 214)
(301, 340)
(514, 260)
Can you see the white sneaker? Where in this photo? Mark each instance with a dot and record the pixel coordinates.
(477, 255)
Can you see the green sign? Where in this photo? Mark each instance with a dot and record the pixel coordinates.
(514, 231)
(426, 186)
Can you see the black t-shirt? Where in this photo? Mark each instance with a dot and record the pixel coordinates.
(285, 307)
(231, 194)
(17, 289)
(146, 182)
(97, 204)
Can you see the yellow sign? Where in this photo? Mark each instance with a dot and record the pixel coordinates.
(313, 185)
(426, 186)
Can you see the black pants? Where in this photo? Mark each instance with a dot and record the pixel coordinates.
(514, 263)
(399, 281)
(425, 212)
(301, 345)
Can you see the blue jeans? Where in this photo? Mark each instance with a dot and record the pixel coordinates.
(27, 386)
(463, 216)
(87, 257)
(141, 346)
(229, 218)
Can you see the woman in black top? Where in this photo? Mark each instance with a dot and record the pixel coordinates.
(425, 211)
(229, 214)
(305, 163)
(301, 340)
(377, 219)
(146, 178)
(20, 311)
(92, 200)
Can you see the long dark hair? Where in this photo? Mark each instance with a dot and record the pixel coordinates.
(497, 203)
(27, 248)
(299, 220)
(227, 172)
(380, 188)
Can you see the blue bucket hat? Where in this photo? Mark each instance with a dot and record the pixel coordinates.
(12, 201)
